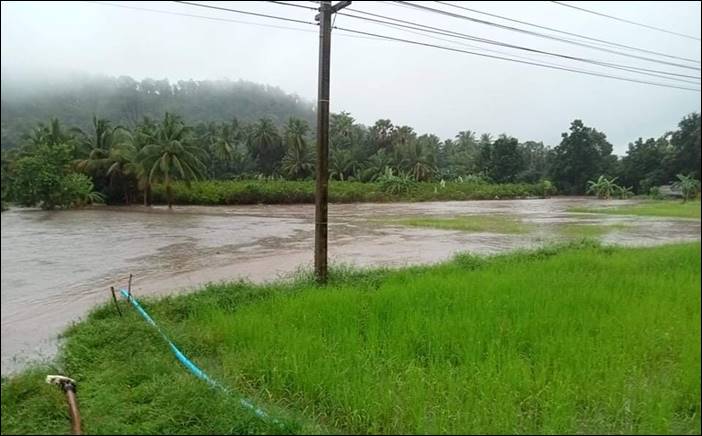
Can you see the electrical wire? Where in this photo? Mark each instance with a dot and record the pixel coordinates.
(436, 30)
(239, 11)
(626, 21)
(590, 38)
(419, 43)
(514, 60)
(541, 35)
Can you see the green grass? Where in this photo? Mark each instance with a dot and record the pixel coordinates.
(221, 192)
(467, 223)
(571, 340)
(577, 230)
(676, 209)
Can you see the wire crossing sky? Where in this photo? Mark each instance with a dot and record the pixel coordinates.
(522, 68)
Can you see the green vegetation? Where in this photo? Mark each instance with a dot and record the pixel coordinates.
(585, 231)
(675, 209)
(127, 101)
(605, 188)
(44, 178)
(688, 185)
(571, 340)
(170, 155)
(219, 138)
(469, 223)
(214, 192)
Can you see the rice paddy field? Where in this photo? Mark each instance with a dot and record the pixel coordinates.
(570, 339)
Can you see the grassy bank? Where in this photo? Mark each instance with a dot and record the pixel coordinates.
(572, 340)
(667, 208)
(219, 192)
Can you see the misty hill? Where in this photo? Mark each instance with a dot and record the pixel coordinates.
(126, 101)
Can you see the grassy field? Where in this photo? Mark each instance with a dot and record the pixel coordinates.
(676, 209)
(579, 339)
(220, 192)
(468, 223)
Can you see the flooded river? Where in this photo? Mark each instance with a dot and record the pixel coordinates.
(57, 265)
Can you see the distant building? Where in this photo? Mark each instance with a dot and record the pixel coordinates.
(669, 191)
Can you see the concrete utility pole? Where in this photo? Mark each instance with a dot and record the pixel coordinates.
(322, 186)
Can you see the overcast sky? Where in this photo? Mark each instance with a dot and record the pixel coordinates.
(434, 91)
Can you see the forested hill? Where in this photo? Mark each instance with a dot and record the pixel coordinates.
(126, 101)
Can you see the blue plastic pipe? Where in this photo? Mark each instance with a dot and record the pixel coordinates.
(189, 363)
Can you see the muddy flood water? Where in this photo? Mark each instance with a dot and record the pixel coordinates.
(57, 265)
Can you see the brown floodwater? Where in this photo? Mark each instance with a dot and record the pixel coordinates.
(57, 265)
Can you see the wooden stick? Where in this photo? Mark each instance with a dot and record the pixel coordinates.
(114, 298)
(129, 288)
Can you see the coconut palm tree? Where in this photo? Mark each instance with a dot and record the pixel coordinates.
(125, 164)
(170, 155)
(51, 134)
(265, 145)
(101, 137)
(298, 160)
(95, 148)
(225, 145)
(341, 164)
(381, 132)
(376, 165)
(417, 161)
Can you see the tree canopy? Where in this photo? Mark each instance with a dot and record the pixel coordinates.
(236, 130)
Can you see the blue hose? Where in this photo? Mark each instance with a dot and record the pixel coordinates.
(190, 365)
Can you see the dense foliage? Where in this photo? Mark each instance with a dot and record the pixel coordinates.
(134, 150)
(227, 192)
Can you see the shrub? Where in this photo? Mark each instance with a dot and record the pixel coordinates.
(396, 184)
(655, 193)
(688, 185)
(78, 190)
(547, 188)
(603, 187)
(623, 192)
(395, 188)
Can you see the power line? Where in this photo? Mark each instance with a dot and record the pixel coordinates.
(570, 33)
(626, 21)
(293, 4)
(379, 36)
(136, 8)
(227, 20)
(509, 54)
(514, 60)
(541, 35)
(431, 29)
(239, 11)
(655, 73)
(405, 29)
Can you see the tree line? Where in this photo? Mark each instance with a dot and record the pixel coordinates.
(121, 164)
(126, 101)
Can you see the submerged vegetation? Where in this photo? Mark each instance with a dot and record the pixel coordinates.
(674, 209)
(467, 223)
(589, 231)
(578, 339)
